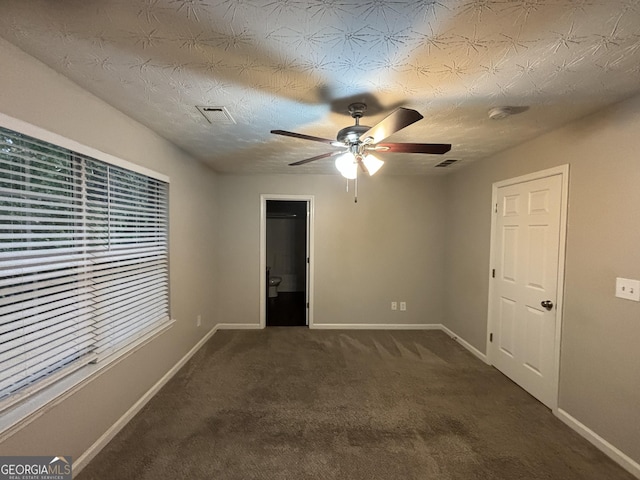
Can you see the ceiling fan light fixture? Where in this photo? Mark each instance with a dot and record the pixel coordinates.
(372, 163)
(347, 166)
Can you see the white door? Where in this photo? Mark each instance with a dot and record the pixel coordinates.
(526, 254)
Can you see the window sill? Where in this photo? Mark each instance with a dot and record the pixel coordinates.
(33, 406)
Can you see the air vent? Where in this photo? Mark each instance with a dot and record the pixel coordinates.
(216, 115)
(446, 163)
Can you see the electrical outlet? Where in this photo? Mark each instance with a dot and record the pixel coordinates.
(628, 289)
(394, 305)
(403, 306)
(199, 321)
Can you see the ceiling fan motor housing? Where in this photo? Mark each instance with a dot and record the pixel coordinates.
(351, 134)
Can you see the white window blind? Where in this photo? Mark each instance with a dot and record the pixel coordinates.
(83, 260)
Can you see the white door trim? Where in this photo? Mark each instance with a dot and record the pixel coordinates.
(563, 171)
(263, 251)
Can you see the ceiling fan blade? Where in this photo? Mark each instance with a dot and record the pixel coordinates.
(318, 157)
(305, 137)
(433, 148)
(397, 120)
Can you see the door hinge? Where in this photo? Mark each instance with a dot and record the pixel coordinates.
(308, 260)
(307, 304)
(496, 209)
(493, 273)
(491, 337)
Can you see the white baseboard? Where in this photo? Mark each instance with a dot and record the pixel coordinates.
(465, 344)
(107, 436)
(376, 326)
(626, 462)
(239, 326)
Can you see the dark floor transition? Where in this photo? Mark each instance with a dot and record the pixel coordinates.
(288, 309)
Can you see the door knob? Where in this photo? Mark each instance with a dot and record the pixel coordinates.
(548, 304)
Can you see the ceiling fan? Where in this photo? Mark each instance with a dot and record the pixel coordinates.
(359, 142)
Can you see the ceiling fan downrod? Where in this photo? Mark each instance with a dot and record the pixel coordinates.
(351, 135)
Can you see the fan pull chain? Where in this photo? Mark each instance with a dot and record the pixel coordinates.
(355, 197)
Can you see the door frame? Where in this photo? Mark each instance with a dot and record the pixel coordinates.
(563, 171)
(309, 199)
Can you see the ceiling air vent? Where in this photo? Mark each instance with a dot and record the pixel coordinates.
(446, 163)
(216, 115)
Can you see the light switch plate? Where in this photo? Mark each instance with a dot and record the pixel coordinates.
(628, 289)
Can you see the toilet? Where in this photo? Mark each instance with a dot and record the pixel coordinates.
(273, 286)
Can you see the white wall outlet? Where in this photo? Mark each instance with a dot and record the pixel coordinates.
(394, 305)
(403, 306)
(199, 321)
(628, 289)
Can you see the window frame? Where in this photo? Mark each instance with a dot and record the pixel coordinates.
(51, 391)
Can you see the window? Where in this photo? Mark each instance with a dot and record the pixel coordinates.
(83, 261)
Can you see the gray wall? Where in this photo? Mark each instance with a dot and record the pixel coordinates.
(32, 92)
(386, 247)
(600, 364)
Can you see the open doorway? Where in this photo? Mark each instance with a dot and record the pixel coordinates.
(285, 260)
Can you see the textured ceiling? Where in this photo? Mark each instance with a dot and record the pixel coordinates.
(296, 65)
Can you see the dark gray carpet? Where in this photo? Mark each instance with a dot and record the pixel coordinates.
(294, 403)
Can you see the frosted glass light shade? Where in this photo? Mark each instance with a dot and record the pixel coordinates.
(347, 166)
(372, 163)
